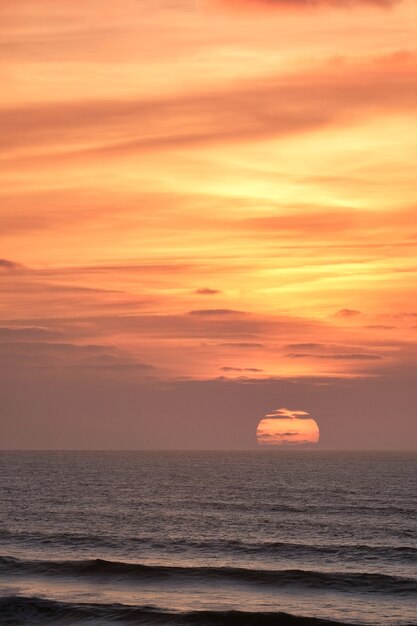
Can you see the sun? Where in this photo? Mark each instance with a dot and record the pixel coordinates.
(284, 427)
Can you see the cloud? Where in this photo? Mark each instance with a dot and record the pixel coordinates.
(268, 107)
(380, 327)
(405, 314)
(298, 5)
(84, 316)
(216, 312)
(41, 354)
(243, 345)
(337, 357)
(310, 221)
(7, 265)
(152, 268)
(26, 333)
(304, 346)
(20, 293)
(347, 313)
(322, 224)
(207, 292)
(303, 442)
(287, 414)
(240, 369)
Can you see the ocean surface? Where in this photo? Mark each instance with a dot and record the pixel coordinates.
(208, 538)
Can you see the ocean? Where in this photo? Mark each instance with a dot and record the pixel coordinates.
(286, 537)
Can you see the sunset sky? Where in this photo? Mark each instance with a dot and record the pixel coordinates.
(207, 211)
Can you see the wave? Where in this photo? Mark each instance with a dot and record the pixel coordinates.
(217, 546)
(24, 611)
(100, 568)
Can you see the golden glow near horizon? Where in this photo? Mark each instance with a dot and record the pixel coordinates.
(231, 182)
(284, 427)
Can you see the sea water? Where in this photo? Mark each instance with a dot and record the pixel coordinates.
(260, 537)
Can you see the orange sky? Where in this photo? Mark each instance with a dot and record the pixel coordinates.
(205, 189)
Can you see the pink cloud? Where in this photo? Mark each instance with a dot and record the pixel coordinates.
(301, 5)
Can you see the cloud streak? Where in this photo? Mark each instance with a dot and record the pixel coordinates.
(308, 5)
(41, 354)
(9, 266)
(287, 414)
(336, 356)
(205, 291)
(273, 107)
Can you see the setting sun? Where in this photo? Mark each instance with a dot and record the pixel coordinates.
(283, 427)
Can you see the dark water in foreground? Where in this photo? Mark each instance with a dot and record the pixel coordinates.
(208, 538)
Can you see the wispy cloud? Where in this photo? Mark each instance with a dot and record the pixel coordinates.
(216, 312)
(240, 369)
(10, 266)
(278, 106)
(27, 333)
(335, 356)
(347, 313)
(242, 345)
(206, 291)
(308, 5)
(41, 354)
(287, 414)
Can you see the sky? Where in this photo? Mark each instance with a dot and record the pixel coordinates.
(207, 215)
